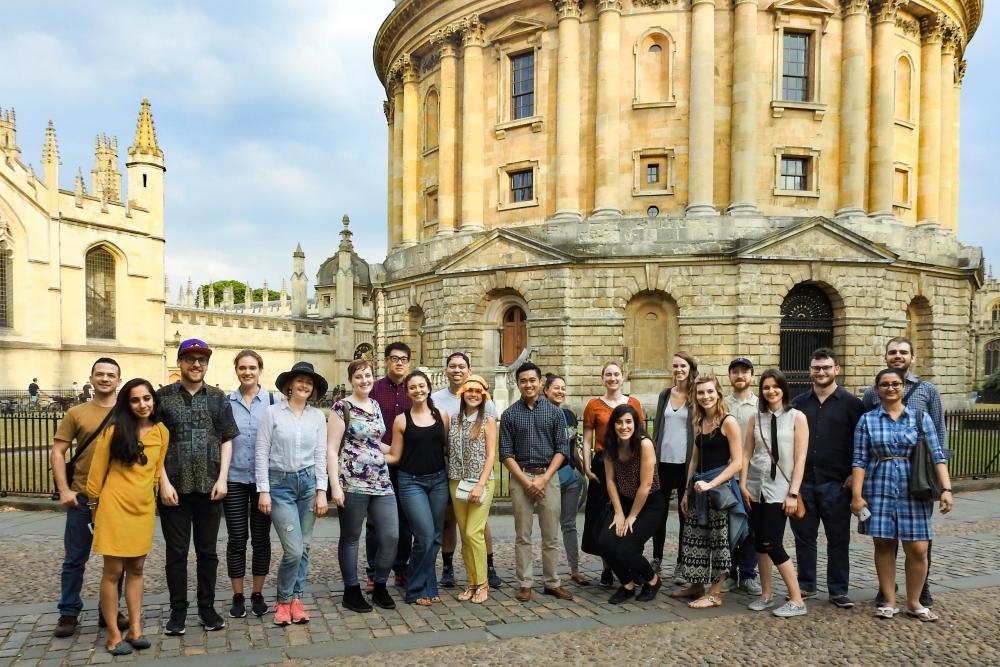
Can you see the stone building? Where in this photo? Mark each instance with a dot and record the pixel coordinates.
(82, 276)
(582, 180)
(987, 324)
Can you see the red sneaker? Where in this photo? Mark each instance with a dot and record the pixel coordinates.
(370, 586)
(282, 613)
(299, 613)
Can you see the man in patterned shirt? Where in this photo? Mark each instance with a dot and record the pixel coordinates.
(919, 395)
(201, 425)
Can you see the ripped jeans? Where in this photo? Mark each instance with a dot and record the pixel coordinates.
(292, 498)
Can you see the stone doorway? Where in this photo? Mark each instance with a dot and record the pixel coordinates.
(806, 324)
(515, 335)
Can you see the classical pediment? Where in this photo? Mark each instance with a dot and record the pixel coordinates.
(818, 239)
(515, 27)
(803, 7)
(502, 249)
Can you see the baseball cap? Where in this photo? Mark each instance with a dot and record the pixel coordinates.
(740, 361)
(194, 345)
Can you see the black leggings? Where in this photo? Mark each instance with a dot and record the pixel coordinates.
(673, 477)
(768, 520)
(625, 554)
(240, 507)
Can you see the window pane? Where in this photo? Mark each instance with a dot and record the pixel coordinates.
(6, 288)
(794, 173)
(795, 68)
(653, 173)
(100, 294)
(522, 85)
(522, 186)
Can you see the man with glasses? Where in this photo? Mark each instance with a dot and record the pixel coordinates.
(458, 369)
(201, 425)
(390, 394)
(919, 396)
(832, 413)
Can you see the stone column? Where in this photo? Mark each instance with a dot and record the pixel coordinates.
(956, 138)
(948, 164)
(929, 161)
(391, 150)
(473, 193)
(853, 108)
(396, 199)
(568, 111)
(608, 125)
(447, 136)
(743, 153)
(701, 114)
(411, 152)
(882, 132)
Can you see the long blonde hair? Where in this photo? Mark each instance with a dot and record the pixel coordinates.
(688, 385)
(701, 418)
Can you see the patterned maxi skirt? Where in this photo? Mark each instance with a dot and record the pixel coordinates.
(705, 554)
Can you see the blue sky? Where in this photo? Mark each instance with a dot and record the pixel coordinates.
(271, 120)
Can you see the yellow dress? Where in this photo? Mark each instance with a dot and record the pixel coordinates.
(126, 510)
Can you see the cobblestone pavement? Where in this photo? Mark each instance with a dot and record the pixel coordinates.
(584, 631)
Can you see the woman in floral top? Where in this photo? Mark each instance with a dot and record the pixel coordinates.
(472, 442)
(359, 484)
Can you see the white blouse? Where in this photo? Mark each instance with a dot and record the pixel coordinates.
(759, 481)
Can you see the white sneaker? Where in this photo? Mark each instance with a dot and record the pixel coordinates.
(790, 609)
(761, 603)
(750, 586)
(728, 584)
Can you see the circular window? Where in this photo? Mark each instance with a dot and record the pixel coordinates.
(653, 211)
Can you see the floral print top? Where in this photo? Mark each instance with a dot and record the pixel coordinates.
(466, 459)
(362, 463)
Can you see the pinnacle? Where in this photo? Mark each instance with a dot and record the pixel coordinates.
(145, 134)
(50, 152)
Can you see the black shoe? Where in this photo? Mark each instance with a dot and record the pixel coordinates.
(210, 619)
(926, 599)
(607, 578)
(175, 625)
(65, 626)
(257, 604)
(239, 608)
(381, 597)
(355, 600)
(880, 599)
(492, 577)
(656, 563)
(842, 601)
(621, 595)
(648, 591)
(447, 577)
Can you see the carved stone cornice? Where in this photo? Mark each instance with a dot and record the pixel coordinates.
(932, 28)
(908, 26)
(388, 110)
(884, 11)
(568, 9)
(850, 7)
(654, 3)
(609, 6)
(960, 71)
(430, 62)
(473, 31)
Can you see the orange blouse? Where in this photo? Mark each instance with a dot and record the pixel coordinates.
(596, 416)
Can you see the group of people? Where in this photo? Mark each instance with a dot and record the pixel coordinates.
(416, 464)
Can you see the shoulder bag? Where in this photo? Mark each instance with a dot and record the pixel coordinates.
(800, 505)
(924, 485)
(71, 464)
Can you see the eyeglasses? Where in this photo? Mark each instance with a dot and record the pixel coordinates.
(890, 385)
(192, 360)
(398, 360)
(821, 369)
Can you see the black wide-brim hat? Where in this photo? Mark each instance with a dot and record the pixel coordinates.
(320, 385)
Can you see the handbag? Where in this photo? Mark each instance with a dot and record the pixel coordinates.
(800, 505)
(924, 484)
(464, 488)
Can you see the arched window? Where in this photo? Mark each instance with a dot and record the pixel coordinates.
(651, 332)
(414, 333)
(806, 324)
(904, 78)
(992, 354)
(653, 67)
(6, 286)
(100, 281)
(995, 312)
(432, 114)
(920, 329)
(515, 334)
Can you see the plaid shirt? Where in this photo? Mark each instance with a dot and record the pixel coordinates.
(532, 437)
(918, 395)
(392, 400)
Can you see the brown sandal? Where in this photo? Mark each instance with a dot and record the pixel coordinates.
(467, 594)
(705, 602)
(482, 593)
(436, 599)
(423, 602)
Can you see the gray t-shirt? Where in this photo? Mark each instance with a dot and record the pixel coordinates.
(451, 403)
(673, 449)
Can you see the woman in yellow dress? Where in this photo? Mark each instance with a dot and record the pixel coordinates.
(128, 461)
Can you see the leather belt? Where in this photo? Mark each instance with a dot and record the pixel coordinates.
(535, 471)
(894, 458)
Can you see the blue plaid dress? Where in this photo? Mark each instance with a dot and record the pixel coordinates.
(895, 514)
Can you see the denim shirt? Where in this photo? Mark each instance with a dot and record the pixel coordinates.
(739, 524)
(241, 469)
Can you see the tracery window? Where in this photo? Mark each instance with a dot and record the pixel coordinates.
(100, 286)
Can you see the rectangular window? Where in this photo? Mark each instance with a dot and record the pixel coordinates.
(795, 67)
(901, 188)
(795, 173)
(522, 102)
(653, 173)
(522, 186)
(6, 289)
(431, 206)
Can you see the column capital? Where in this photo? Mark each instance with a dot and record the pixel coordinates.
(737, 3)
(609, 6)
(960, 72)
(446, 39)
(952, 38)
(387, 109)
(884, 11)
(654, 3)
(473, 31)
(702, 2)
(401, 68)
(932, 28)
(568, 9)
(850, 7)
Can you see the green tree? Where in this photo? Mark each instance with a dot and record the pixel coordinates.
(991, 389)
(239, 292)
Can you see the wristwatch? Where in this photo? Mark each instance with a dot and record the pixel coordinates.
(946, 491)
(792, 495)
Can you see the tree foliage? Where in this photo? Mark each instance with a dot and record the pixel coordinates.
(990, 391)
(239, 292)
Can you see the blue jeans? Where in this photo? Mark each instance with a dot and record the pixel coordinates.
(352, 516)
(424, 499)
(292, 498)
(831, 503)
(570, 497)
(77, 540)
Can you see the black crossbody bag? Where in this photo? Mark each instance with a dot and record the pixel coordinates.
(71, 464)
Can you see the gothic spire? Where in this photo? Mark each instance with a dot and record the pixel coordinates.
(145, 134)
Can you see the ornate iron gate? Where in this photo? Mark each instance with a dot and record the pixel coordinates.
(806, 324)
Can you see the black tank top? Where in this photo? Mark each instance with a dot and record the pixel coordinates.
(713, 449)
(423, 447)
